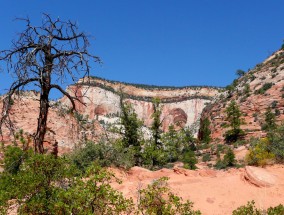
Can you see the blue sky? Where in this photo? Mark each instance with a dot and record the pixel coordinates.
(163, 42)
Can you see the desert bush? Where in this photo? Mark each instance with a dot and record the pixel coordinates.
(264, 88)
(158, 199)
(251, 209)
(189, 159)
(270, 121)
(13, 158)
(276, 146)
(105, 154)
(206, 158)
(228, 160)
(259, 154)
(48, 185)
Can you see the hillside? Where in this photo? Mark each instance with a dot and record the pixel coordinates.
(260, 88)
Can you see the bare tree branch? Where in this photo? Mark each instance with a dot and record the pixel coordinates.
(55, 50)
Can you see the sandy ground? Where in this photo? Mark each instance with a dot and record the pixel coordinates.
(213, 192)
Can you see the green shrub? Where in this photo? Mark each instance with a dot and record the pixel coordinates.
(248, 209)
(105, 154)
(276, 146)
(251, 209)
(270, 123)
(229, 158)
(259, 154)
(189, 159)
(13, 159)
(264, 88)
(204, 131)
(277, 210)
(206, 158)
(48, 185)
(158, 199)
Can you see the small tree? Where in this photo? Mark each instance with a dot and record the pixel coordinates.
(204, 131)
(156, 124)
(240, 73)
(157, 150)
(158, 199)
(234, 118)
(131, 131)
(41, 56)
(270, 123)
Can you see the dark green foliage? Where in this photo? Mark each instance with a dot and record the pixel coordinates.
(174, 146)
(189, 159)
(157, 199)
(220, 165)
(234, 118)
(86, 155)
(131, 130)
(175, 143)
(248, 209)
(246, 90)
(228, 160)
(276, 139)
(206, 158)
(105, 154)
(251, 209)
(240, 73)
(156, 130)
(13, 158)
(270, 123)
(274, 104)
(277, 210)
(264, 88)
(277, 112)
(204, 131)
(46, 185)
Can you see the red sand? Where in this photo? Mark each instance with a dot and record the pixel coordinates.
(213, 192)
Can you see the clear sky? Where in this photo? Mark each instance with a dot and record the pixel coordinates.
(163, 42)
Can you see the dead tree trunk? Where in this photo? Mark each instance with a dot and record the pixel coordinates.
(42, 120)
(54, 50)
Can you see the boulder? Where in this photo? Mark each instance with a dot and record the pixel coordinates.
(259, 177)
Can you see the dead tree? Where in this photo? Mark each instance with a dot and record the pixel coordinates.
(45, 56)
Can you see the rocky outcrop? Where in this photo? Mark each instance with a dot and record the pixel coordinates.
(259, 177)
(258, 89)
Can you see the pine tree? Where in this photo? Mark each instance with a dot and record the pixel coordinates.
(204, 131)
(234, 118)
(131, 129)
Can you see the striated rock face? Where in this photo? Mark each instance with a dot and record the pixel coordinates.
(180, 107)
(260, 88)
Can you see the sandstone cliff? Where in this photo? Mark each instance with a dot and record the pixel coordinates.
(180, 106)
